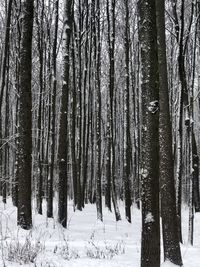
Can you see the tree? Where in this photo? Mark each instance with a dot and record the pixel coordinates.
(73, 123)
(4, 83)
(79, 106)
(150, 244)
(53, 117)
(168, 199)
(107, 136)
(40, 141)
(17, 31)
(63, 136)
(85, 153)
(25, 118)
(97, 84)
(110, 142)
(109, 139)
(127, 137)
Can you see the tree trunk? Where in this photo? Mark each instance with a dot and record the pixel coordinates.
(39, 123)
(4, 83)
(53, 118)
(97, 55)
(25, 118)
(63, 136)
(168, 199)
(127, 137)
(150, 250)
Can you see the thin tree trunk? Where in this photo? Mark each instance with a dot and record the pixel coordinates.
(79, 108)
(40, 133)
(3, 85)
(127, 138)
(17, 71)
(63, 136)
(53, 121)
(85, 122)
(73, 125)
(97, 55)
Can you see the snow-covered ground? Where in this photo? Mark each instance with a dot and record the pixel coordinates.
(86, 243)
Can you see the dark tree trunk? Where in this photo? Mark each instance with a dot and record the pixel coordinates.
(53, 119)
(40, 133)
(150, 250)
(110, 144)
(73, 126)
(171, 244)
(6, 53)
(127, 137)
(25, 118)
(108, 165)
(63, 136)
(97, 55)
(85, 152)
(79, 108)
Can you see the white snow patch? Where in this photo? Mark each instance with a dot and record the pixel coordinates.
(168, 264)
(87, 242)
(144, 173)
(153, 106)
(149, 218)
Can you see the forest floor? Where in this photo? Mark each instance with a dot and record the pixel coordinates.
(86, 243)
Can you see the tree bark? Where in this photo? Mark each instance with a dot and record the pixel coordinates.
(97, 55)
(53, 118)
(127, 137)
(25, 118)
(63, 135)
(168, 198)
(150, 246)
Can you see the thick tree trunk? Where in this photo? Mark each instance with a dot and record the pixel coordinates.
(168, 199)
(25, 119)
(150, 250)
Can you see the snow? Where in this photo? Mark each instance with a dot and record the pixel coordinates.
(149, 218)
(145, 173)
(153, 106)
(168, 264)
(86, 243)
